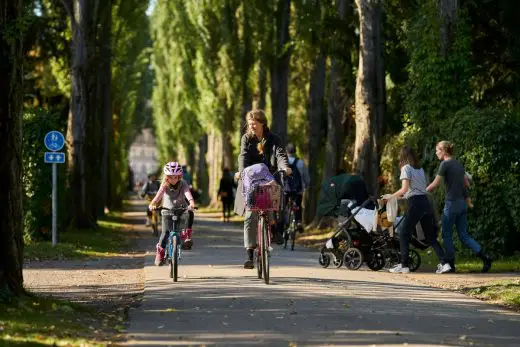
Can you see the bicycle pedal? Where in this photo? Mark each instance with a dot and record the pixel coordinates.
(270, 249)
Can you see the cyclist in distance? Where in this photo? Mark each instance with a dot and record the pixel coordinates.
(299, 182)
(150, 188)
(257, 145)
(173, 191)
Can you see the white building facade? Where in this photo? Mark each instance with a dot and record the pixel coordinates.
(143, 155)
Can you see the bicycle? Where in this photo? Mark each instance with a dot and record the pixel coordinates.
(155, 219)
(266, 198)
(290, 225)
(174, 245)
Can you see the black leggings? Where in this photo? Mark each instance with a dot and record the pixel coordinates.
(419, 210)
(167, 224)
(227, 206)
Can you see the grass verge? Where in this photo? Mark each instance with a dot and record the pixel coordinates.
(35, 321)
(109, 239)
(505, 293)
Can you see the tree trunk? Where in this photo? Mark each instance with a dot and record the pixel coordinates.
(78, 116)
(280, 71)
(247, 62)
(368, 95)
(448, 14)
(336, 108)
(11, 96)
(203, 177)
(315, 110)
(105, 89)
(214, 159)
(262, 84)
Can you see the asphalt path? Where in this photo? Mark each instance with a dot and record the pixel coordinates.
(217, 302)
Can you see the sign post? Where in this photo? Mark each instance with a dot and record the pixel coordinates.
(54, 141)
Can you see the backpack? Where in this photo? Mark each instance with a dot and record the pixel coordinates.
(294, 182)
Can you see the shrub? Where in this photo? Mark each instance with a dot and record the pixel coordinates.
(37, 176)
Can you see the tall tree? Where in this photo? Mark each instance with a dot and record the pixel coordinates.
(279, 69)
(369, 92)
(11, 224)
(341, 87)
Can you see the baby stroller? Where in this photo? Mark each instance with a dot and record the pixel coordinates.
(356, 240)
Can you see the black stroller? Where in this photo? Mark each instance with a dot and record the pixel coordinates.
(354, 242)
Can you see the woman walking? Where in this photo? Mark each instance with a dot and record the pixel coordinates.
(455, 208)
(258, 145)
(413, 188)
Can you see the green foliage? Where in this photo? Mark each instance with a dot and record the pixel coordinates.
(438, 84)
(488, 143)
(37, 176)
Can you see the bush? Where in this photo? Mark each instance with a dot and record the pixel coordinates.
(37, 176)
(487, 142)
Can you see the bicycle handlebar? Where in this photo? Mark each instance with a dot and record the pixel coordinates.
(175, 209)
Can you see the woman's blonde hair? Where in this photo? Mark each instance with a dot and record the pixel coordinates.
(446, 146)
(259, 116)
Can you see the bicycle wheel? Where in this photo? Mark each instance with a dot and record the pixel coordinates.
(265, 251)
(174, 267)
(258, 251)
(292, 232)
(287, 230)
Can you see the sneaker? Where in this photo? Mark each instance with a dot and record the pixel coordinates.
(443, 268)
(486, 263)
(299, 227)
(249, 264)
(147, 221)
(159, 255)
(399, 269)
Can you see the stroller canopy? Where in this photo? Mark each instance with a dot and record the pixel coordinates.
(341, 187)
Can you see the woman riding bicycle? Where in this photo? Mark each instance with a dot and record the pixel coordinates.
(258, 145)
(173, 191)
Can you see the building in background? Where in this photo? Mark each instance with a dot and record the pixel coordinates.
(143, 155)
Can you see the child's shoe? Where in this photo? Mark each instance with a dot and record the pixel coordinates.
(186, 238)
(159, 255)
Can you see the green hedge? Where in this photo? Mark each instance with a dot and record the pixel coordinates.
(487, 142)
(37, 176)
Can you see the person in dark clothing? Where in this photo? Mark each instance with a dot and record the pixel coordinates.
(225, 192)
(257, 145)
(455, 208)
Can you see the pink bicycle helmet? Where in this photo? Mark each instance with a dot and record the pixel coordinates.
(172, 169)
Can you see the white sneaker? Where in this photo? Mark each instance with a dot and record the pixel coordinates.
(442, 269)
(399, 269)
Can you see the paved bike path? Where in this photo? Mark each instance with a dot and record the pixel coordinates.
(218, 303)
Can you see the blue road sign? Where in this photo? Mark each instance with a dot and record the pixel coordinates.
(54, 140)
(54, 157)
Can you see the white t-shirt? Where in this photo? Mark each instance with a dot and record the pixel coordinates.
(417, 180)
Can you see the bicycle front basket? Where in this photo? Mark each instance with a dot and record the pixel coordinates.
(266, 197)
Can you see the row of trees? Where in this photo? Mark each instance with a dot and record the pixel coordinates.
(348, 81)
(86, 73)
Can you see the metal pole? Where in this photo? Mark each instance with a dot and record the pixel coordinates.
(54, 202)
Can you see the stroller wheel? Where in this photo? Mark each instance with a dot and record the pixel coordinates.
(324, 258)
(414, 260)
(376, 261)
(353, 258)
(337, 260)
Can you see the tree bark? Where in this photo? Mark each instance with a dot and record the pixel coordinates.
(280, 71)
(448, 15)
(105, 92)
(315, 110)
(203, 177)
(336, 108)
(81, 123)
(11, 96)
(247, 63)
(369, 95)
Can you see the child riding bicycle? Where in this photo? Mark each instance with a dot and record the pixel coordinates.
(173, 191)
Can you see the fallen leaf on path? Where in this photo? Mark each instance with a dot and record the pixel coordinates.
(171, 309)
